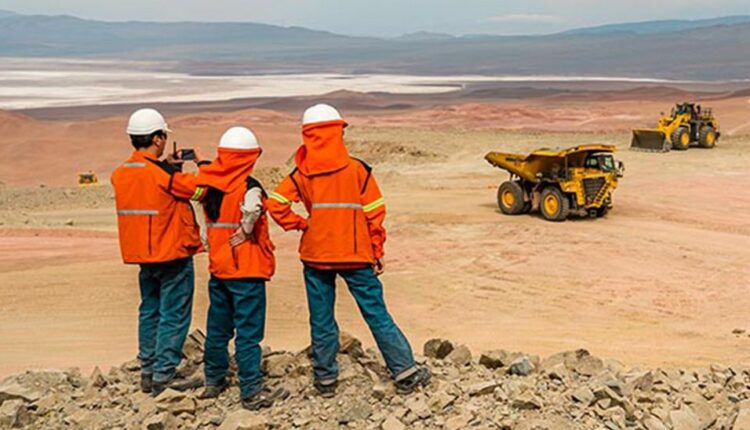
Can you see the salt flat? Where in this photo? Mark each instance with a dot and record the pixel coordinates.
(28, 84)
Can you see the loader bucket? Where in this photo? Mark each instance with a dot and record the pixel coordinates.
(649, 140)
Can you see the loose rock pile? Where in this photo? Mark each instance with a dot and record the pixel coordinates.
(497, 390)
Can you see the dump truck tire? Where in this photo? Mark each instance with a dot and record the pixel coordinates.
(602, 211)
(707, 137)
(681, 139)
(554, 205)
(510, 198)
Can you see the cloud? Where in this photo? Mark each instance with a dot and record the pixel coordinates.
(525, 18)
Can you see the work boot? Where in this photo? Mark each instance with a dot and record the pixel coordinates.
(264, 398)
(147, 382)
(327, 390)
(177, 383)
(420, 378)
(212, 391)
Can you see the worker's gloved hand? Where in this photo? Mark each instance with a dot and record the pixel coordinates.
(174, 159)
(303, 225)
(378, 267)
(198, 156)
(239, 237)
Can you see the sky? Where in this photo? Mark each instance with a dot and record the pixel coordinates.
(388, 18)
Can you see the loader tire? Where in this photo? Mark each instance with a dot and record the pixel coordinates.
(681, 139)
(707, 137)
(554, 205)
(510, 198)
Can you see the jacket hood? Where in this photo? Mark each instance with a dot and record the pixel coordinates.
(230, 168)
(323, 150)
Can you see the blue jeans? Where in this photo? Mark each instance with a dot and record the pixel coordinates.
(368, 293)
(237, 309)
(164, 315)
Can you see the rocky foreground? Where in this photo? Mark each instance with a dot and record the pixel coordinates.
(496, 390)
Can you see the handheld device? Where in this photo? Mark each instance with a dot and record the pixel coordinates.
(186, 154)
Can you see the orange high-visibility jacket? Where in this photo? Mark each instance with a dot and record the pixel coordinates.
(345, 206)
(154, 217)
(227, 179)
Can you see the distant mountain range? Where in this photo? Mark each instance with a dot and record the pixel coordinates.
(705, 49)
(425, 35)
(663, 26)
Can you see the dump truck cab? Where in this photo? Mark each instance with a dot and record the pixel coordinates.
(558, 183)
(687, 125)
(602, 161)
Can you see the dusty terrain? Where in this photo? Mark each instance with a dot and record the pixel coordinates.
(497, 389)
(661, 281)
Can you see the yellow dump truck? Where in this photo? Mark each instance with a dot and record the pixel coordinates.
(558, 183)
(688, 124)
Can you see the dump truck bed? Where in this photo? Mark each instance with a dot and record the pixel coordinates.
(529, 167)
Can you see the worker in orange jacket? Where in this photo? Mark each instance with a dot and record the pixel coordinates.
(158, 231)
(241, 260)
(343, 235)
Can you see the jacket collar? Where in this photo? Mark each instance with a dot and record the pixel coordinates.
(230, 168)
(143, 155)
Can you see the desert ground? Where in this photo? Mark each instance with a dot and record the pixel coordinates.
(662, 280)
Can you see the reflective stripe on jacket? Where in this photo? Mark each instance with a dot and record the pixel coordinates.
(154, 218)
(227, 179)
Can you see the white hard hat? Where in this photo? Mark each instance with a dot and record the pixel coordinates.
(238, 138)
(320, 113)
(146, 121)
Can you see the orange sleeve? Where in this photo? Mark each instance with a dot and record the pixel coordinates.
(374, 208)
(184, 186)
(279, 206)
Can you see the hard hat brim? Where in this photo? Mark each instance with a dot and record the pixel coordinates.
(132, 132)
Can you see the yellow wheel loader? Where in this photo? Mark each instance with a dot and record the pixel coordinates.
(558, 183)
(687, 125)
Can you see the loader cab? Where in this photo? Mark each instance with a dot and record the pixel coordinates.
(688, 109)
